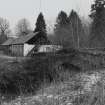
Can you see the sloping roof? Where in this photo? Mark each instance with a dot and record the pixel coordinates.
(8, 42)
(20, 40)
(24, 39)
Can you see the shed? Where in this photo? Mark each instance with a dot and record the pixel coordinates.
(22, 46)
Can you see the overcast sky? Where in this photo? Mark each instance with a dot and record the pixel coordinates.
(13, 10)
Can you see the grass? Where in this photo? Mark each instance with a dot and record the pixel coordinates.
(19, 77)
(51, 79)
(69, 92)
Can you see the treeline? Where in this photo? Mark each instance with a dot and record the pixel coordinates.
(72, 31)
(97, 33)
(22, 28)
(69, 30)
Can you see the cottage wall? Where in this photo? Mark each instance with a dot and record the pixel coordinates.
(49, 48)
(28, 48)
(17, 49)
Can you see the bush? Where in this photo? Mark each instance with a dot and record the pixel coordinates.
(28, 76)
(67, 51)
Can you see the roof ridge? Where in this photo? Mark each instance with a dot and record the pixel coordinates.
(20, 40)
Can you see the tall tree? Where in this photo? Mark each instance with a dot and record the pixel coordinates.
(62, 19)
(40, 24)
(97, 35)
(87, 27)
(77, 29)
(23, 27)
(62, 30)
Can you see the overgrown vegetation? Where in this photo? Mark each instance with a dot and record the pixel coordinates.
(97, 30)
(21, 77)
(61, 76)
(24, 77)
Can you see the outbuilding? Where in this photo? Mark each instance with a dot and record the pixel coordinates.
(25, 45)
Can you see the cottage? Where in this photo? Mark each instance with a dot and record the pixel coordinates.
(26, 44)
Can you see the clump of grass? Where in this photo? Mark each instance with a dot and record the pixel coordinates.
(29, 76)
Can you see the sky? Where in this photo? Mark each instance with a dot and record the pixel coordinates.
(14, 10)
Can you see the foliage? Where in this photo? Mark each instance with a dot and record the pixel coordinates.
(77, 29)
(23, 77)
(4, 30)
(40, 24)
(62, 19)
(23, 27)
(4, 26)
(86, 27)
(62, 30)
(97, 38)
(69, 30)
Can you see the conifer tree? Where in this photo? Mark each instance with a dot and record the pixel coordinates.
(62, 30)
(77, 29)
(97, 35)
(40, 24)
(62, 19)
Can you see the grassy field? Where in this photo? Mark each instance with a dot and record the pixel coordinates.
(61, 79)
(80, 89)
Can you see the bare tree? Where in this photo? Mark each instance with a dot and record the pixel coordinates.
(4, 29)
(4, 26)
(23, 27)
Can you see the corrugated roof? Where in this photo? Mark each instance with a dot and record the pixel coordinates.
(20, 40)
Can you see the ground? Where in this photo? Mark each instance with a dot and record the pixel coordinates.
(81, 90)
(71, 87)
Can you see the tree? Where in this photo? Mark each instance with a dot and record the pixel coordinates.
(97, 35)
(62, 30)
(77, 29)
(86, 27)
(62, 19)
(40, 24)
(23, 27)
(4, 30)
